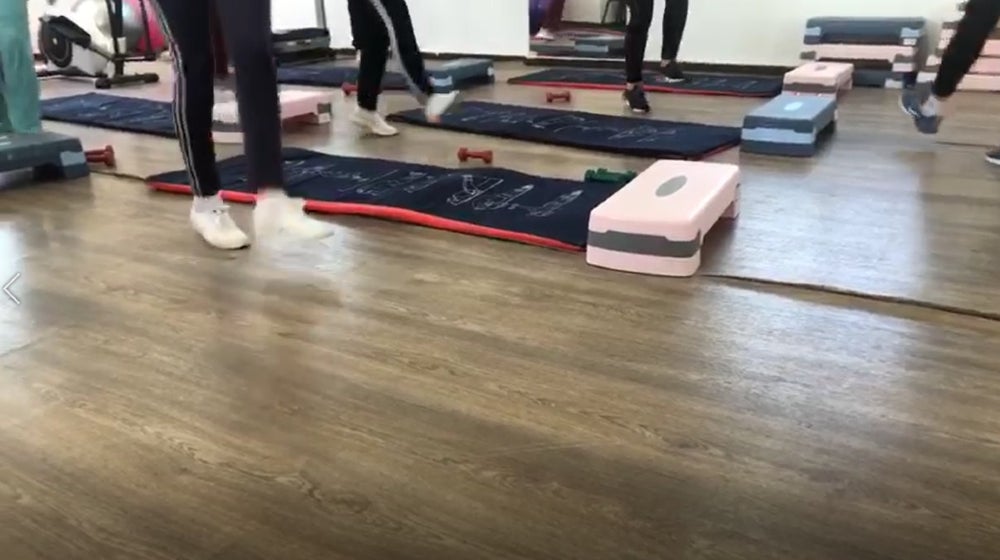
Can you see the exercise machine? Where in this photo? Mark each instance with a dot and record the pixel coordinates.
(306, 44)
(83, 38)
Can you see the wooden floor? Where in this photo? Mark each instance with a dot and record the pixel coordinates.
(404, 393)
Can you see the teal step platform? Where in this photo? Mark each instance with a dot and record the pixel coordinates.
(789, 125)
(51, 155)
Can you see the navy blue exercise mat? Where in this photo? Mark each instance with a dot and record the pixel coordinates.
(629, 136)
(115, 112)
(483, 201)
(332, 74)
(700, 84)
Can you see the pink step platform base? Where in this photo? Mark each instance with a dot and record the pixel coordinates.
(656, 223)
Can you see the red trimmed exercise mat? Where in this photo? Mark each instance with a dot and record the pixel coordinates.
(698, 84)
(482, 201)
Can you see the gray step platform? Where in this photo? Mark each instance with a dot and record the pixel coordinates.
(866, 77)
(603, 46)
(789, 125)
(865, 31)
(51, 155)
(446, 75)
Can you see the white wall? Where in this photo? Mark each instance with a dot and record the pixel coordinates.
(589, 11)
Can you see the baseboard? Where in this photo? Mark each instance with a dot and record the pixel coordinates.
(712, 68)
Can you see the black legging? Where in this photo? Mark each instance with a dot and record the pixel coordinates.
(637, 33)
(640, 17)
(675, 16)
(979, 20)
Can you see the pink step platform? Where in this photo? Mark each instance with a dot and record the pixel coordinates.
(991, 48)
(312, 107)
(656, 223)
(984, 65)
(971, 82)
(903, 58)
(827, 79)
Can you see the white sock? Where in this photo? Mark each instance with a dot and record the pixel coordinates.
(207, 203)
(931, 107)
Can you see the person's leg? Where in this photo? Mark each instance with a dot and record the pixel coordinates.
(372, 42)
(396, 22)
(19, 91)
(246, 26)
(636, 37)
(552, 20)
(923, 104)
(674, 21)
(186, 26)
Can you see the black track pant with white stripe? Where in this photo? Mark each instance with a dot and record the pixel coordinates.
(246, 25)
(376, 26)
(970, 37)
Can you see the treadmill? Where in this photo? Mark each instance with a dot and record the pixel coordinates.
(304, 45)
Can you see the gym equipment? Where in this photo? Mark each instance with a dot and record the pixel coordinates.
(311, 107)
(884, 51)
(304, 44)
(600, 46)
(105, 155)
(497, 203)
(465, 154)
(984, 74)
(602, 175)
(830, 79)
(789, 125)
(114, 112)
(604, 133)
(701, 84)
(656, 224)
(564, 95)
(81, 38)
(445, 75)
(51, 155)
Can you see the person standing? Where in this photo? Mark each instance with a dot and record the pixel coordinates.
(377, 26)
(640, 18)
(675, 15)
(246, 25)
(923, 103)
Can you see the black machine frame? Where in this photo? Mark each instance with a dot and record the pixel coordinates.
(302, 43)
(118, 58)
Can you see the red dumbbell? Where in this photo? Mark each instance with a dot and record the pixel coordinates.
(105, 155)
(349, 89)
(551, 96)
(465, 154)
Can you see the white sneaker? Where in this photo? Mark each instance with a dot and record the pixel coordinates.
(544, 35)
(210, 218)
(373, 122)
(276, 213)
(438, 104)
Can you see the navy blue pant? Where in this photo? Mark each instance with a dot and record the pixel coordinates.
(246, 26)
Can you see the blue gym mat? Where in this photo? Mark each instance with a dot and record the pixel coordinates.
(98, 110)
(483, 201)
(701, 84)
(604, 133)
(333, 74)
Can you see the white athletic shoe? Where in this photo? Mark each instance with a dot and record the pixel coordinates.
(276, 213)
(372, 122)
(544, 35)
(210, 218)
(438, 104)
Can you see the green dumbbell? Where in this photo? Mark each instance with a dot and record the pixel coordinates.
(603, 175)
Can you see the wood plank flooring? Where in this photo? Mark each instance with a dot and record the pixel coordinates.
(404, 393)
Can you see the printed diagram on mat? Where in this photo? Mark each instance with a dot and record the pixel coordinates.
(478, 192)
(110, 111)
(706, 82)
(631, 131)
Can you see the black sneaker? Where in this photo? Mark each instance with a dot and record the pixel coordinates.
(635, 99)
(993, 156)
(672, 73)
